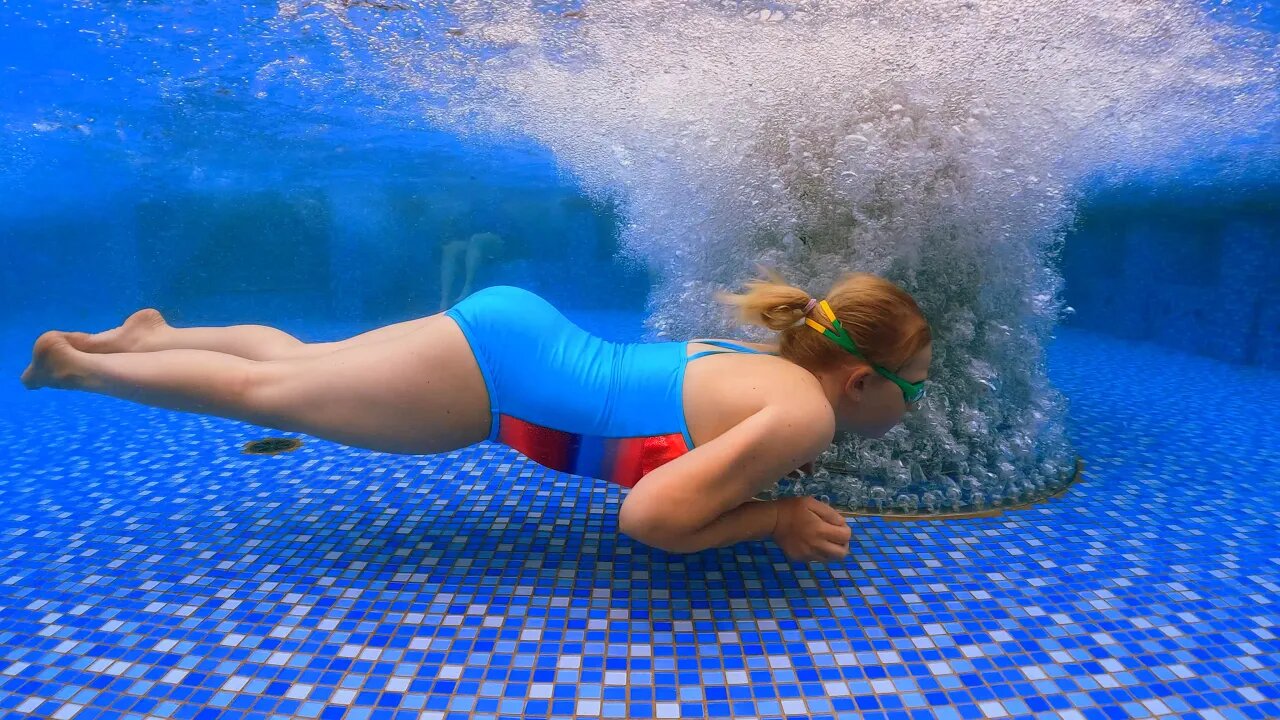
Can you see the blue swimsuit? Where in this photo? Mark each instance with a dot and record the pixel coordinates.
(572, 401)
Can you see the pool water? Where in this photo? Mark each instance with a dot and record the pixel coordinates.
(153, 570)
(304, 165)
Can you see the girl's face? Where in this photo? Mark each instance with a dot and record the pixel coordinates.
(872, 404)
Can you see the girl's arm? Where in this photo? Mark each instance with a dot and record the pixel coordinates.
(748, 521)
(702, 499)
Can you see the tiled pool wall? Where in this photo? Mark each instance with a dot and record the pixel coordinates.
(1193, 269)
(306, 257)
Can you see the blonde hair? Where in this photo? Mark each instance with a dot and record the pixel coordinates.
(882, 318)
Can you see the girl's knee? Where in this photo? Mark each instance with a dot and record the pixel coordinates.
(263, 390)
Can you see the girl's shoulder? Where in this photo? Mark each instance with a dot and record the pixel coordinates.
(718, 398)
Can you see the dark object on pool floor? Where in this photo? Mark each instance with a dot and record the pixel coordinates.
(272, 446)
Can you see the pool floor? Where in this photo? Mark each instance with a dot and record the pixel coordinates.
(150, 569)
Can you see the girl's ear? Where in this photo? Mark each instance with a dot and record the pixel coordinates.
(857, 380)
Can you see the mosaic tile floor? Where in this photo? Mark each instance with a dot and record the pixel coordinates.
(151, 570)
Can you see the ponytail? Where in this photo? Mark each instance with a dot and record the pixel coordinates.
(883, 320)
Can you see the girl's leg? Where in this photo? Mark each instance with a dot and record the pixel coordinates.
(420, 392)
(147, 331)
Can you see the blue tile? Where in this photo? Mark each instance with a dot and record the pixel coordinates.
(188, 580)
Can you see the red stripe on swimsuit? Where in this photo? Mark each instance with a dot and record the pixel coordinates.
(620, 460)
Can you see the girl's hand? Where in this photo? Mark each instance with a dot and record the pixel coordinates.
(808, 529)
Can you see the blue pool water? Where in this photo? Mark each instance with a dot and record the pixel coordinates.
(154, 571)
(303, 165)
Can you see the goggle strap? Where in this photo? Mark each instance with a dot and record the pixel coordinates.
(816, 326)
(838, 335)
(843, 340)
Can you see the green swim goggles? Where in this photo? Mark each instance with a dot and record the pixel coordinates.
(911, 392)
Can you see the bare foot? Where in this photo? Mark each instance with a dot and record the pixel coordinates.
(131, 336)
(52, 362)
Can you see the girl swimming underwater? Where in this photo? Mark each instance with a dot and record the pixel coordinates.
(694, 428)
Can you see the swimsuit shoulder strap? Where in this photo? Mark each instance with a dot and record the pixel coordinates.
(728, 345)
